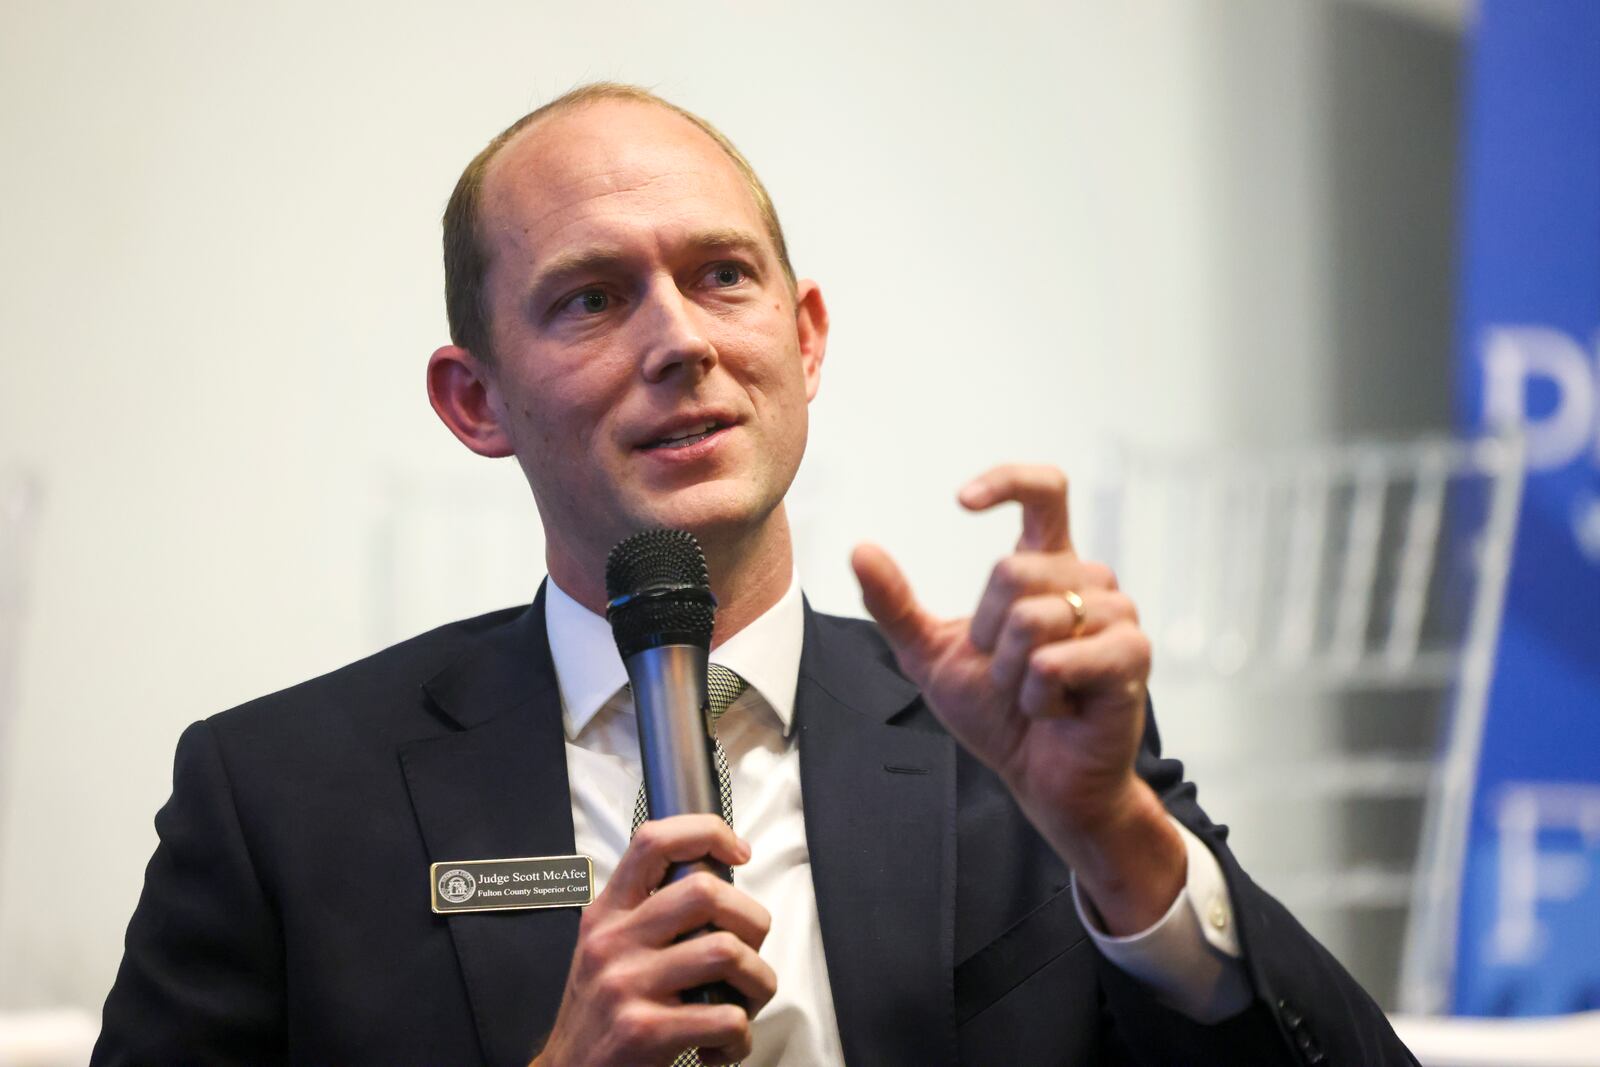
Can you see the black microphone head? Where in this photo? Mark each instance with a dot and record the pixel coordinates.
(659, 592)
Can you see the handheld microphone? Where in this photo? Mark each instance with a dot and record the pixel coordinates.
(661, 612)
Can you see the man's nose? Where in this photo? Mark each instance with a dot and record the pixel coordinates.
(675, 341)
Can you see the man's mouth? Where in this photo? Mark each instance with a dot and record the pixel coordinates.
(687, 436)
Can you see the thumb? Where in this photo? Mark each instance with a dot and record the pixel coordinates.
(890, 601)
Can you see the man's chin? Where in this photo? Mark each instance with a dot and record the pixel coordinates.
(718, 517)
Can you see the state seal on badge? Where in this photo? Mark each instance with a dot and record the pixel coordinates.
(457, 885)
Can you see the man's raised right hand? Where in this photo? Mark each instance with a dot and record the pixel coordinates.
(622, 1000)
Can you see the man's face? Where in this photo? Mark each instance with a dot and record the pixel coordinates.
(651, 366)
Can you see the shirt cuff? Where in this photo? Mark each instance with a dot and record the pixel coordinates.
(1191, 956)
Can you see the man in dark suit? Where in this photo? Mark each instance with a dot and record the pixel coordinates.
(981, 857)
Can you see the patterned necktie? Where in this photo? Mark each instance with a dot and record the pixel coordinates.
(722, 689)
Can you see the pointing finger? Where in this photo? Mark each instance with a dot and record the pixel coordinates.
(1042, 492)
(889, 599)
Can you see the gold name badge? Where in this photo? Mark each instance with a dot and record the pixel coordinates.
(506, 885)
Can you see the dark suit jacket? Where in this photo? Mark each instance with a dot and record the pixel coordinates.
(285, 914)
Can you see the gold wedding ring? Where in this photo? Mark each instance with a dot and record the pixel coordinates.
(1080, 614)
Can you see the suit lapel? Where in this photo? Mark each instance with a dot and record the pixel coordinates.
(879, 798)
(497, 787)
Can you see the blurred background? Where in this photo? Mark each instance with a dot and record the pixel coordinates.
(1204, 247)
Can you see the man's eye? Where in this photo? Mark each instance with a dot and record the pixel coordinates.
(726, 274)
(589, 302)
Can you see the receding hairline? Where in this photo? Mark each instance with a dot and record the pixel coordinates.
(602, 93)
(468, 256)
(727, 235)
(565, 108)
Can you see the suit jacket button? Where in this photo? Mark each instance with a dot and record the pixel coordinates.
(1308, 1048)
(1290, 1015)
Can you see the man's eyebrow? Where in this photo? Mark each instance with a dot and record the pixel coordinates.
(596, 260)
(568, 264)
(733, 240)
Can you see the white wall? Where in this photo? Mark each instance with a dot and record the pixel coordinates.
(221, 280)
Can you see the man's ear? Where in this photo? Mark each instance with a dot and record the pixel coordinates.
(464, 397)
(811, 323)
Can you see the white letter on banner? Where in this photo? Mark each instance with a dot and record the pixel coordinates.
(1511, 355)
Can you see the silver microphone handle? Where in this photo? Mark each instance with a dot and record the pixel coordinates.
(669, 693)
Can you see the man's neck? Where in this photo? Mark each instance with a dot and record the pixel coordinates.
(749, 572)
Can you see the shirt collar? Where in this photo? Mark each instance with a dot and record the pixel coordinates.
(589, 672)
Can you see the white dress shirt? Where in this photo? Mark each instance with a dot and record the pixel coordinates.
(1190, 957)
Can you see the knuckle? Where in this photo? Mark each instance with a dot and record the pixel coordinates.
(1045, 612)
(604, 943)
(612, 986)
(735, 1024)
(1140, 650)
(1123, 607)
(1027, 618)
(593, 951)
(1043, 665)
(721, 947)
(1056, 480)
(702, 890)
(1100, 574)
(648, 838)
(766, 979)
(730, 1029)
(631, 1025)
(1005, 575)
(742, 1044)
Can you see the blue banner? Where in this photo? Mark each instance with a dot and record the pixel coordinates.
(1529, 930)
